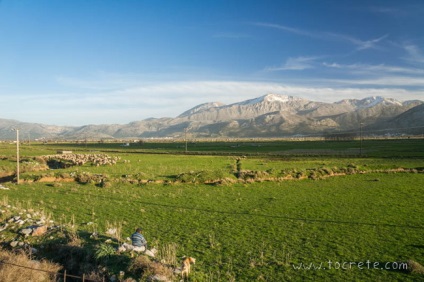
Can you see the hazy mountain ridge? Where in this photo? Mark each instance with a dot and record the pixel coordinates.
(266, 116)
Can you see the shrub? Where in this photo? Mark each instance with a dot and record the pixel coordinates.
(204, 176)
(104, 251)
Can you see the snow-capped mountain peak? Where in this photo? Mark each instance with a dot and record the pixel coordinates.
(370, 102)
(271, 98)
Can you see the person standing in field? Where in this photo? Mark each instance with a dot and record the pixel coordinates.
(138, 240)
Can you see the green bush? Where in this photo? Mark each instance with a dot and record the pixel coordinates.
(104, 251)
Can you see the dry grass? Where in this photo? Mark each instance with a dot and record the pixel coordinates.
(42, 271)
(144, 267)
(415, 267)
(168, 254)
(114, 230)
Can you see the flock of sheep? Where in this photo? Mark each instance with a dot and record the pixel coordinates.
(81, 159)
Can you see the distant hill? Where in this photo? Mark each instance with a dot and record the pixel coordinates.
(270, 115)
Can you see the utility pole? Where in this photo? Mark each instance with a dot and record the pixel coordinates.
(360, 138)
(185, 137)
(17, 155)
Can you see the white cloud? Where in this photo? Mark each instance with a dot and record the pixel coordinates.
(374, 69)
(169, 99)
(414, 53)
(299, 63)
(329, 36)
(386, 81)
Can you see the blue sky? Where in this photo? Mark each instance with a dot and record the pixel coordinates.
(99, 61)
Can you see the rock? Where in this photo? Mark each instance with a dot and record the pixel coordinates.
(34, 250)
(14, 244)
(20, 244)
(3, 188)
(40, 230)
(4, 227)
(154, 250)
(149, 253)
(16, 218)
(20, 221)
(111, 231)
(26, 231)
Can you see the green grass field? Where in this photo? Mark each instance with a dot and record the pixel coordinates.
(260, 230)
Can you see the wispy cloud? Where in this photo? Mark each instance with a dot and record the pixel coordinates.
(329, 36)
(299, 63)
(374, 69)
(289, 29)
(390, 11)
(414, 53)
(171, 98)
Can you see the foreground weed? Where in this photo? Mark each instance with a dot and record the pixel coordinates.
(168, 254)
(114, 230)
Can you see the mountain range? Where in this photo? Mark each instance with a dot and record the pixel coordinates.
(270, 115)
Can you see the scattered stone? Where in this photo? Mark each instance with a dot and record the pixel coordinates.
(34, 250)
(3, 227)
(149, 253)
(16, 218)
(28, 215)
(108, 241)
(20, 221)
(40, 230)
(20, 244)
(13, 244)
(111, 231)
(3, 187)
(26, 231)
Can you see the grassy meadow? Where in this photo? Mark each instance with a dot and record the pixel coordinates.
(299, 205)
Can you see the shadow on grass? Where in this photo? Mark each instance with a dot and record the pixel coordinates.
(417, 246)
(7, 178)
(79, 258)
